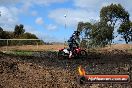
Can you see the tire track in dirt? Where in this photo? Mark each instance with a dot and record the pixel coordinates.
(45, 70)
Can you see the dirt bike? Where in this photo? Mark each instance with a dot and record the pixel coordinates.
(77, 53)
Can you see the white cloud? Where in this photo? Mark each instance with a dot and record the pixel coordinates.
(73, 16)
(38, 2)
(29, 28)
(87, 3)
(96, 5)
(32, 30)
(48, 38)
(34, 13)
(99, 3)
(7, 2)
(26, 6)
(46, 2)
(41, 35)
(84, 10)
(51, 27)
(39, 21)
(8, 17)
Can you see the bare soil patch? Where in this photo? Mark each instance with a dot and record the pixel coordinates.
(45, 70)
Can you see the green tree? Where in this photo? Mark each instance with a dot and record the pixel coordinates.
(19, 30)
(1, 32)
(130, 33)
(126, 31)
(115, 16)
(19, 34)
(85, 29)
(96, 33)
(28, 36)
(5, 35)
(80, 26)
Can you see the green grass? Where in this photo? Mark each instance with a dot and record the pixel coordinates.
(20, 53)
(130, 49)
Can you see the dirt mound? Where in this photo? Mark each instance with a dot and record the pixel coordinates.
(6, 67)
(44, 70)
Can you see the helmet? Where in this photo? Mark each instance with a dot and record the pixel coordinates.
(73, 34)
(77, 33)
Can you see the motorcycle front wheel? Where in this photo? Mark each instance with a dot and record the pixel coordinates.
(62, 55)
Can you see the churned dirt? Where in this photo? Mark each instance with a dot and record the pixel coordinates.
(45, 70)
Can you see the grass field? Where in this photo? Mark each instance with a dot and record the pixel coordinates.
(57, 47)
(33, 48)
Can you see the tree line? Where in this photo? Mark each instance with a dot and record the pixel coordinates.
(18, 33)
(113, 17)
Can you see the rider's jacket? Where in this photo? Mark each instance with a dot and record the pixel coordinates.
(74, 41)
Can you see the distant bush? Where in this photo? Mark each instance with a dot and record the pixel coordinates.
(19, 33)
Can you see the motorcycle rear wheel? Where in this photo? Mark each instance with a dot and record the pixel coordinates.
(82, 54)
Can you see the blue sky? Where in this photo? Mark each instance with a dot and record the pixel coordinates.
(45, 18)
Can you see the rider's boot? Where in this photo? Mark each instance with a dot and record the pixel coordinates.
(70, 55)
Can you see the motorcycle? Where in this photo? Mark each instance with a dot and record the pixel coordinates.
(77, 53)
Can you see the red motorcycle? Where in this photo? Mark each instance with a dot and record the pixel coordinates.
(77, 53)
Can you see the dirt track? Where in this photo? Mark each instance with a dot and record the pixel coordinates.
(48, 72)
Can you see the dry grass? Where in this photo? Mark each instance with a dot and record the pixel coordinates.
(57, 47)
(33, 47)
(120, 46)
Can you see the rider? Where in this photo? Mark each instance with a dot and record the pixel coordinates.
(74, 42)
